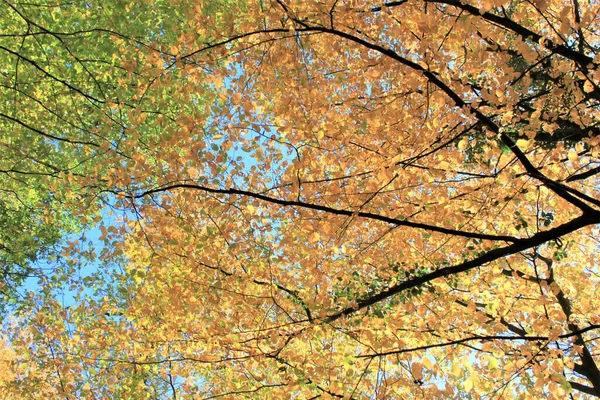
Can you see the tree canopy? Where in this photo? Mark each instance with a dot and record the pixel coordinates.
(331, 199)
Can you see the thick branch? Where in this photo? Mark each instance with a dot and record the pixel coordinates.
(588, 367)
(485, 258)
(561, 190)
(331, 210)
(584, 389)
(522, 31)
(583, 175)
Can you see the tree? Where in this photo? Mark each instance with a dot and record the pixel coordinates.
(397, 200)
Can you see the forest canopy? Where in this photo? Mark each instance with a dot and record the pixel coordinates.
(300, 199)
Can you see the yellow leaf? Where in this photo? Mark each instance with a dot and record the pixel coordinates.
(468, 385)
(315, 237)
(427, 363)
(456, 371)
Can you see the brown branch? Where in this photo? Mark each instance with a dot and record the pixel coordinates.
(584, 389)
(480, 338)
(561, 190)
(45, 134)
(583, 175)
(513, 328)
(330, 210)
(492, 255)
(588, 367)
(49, 75)
(522, 31)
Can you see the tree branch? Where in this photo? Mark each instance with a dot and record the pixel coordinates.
(584, 389)
(583, 175)
(479, 338)
(519, 29)
(483, 259)
(330, 210)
